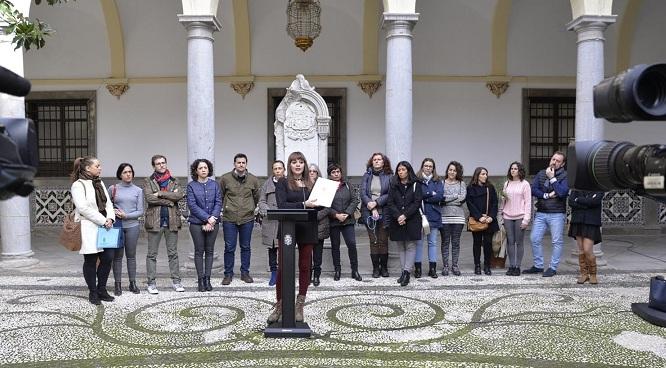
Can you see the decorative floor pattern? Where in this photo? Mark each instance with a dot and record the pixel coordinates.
(472, 321)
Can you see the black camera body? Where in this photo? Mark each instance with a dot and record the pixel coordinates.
(19, 156)
(638, 93)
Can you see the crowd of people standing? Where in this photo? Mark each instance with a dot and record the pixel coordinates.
(405, 208)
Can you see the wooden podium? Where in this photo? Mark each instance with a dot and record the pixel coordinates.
(295, 225)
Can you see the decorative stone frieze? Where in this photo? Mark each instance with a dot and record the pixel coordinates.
(497, 87)
(369, 87)
(117, 89)
(242, 88)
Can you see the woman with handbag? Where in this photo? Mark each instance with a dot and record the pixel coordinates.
(93, 208)
(585, 227)
(516, 210)
(127, 201)
(482, 204)
(204, 199)
(342, 221)
(292, 192)
(433, 193)
(403, 217)
(374, 196)
(269, 228)
(453, 216)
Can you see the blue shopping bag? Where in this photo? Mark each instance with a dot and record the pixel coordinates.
(109, 238)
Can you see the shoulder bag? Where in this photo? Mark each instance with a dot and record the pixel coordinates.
(425, 225)
(475, 226)
(70, 235)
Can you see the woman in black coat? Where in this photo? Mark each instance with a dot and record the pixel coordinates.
(404, 218)
(482, 204)
(585, 227)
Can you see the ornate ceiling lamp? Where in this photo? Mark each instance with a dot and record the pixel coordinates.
(303, 22)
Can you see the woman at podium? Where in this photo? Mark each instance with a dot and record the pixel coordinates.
(293, 192)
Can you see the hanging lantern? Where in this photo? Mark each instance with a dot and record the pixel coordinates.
(303, 22)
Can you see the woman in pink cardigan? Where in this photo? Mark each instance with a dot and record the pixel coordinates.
(516, 210)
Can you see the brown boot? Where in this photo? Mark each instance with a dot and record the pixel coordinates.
(277, 312)
(592, 268)
(584, 275)
(300, 302)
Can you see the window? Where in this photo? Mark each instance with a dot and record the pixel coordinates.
(335, 99)
(63, 132)
(548, 125)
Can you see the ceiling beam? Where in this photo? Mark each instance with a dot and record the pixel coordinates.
(114, 34)
(242, 39)
(626, 34)
(499, 36)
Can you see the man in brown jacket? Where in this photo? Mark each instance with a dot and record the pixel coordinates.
(240, 196)
(162, 216)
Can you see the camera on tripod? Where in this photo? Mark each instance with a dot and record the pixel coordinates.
(18, 143)
(638, 93)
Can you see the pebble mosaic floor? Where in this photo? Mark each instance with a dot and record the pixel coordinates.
(468, 321)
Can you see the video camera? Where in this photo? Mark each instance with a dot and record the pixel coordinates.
(18, 143)
(639, 93)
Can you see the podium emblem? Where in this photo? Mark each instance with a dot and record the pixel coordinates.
(288, 240)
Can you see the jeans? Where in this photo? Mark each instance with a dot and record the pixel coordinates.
(542, 222)
(131, 237)
(349, 235)
(232, 232)
(204, 244)
(407, 251)
(95, 275)
(272, 259)
(514, 241)
(432, 246)
(154, 238)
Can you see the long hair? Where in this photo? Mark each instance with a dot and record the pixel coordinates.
(411, 177)
(459, 170)
(475, 177)
(387, 163)
(435, 177)
(291, 181)
(121, 168)
(80, 165)
(521, 171)
(195, 165)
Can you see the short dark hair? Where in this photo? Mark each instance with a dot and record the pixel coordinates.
(521, 171)
(276, 162)
(333, 166)
(195, 164)
(121, 168)
(155, 157)
(240, 155)
(561, 153)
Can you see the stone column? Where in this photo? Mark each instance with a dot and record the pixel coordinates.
(200, 86)
(14, 212)
(589, 72)
(398, 127)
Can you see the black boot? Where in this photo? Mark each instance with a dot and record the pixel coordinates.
(402, 277)
(383, 261)
(315, 278)
(432, 272)
(201, 287)
(94, 298)
(117, 290)
(104, 295)
(356, 276)
(207, 285)
(477, 269)
(133, 288)
(405, 278)
(311, 275)
(417, 270)
(375, 266)
(486, 270)
(336, 274)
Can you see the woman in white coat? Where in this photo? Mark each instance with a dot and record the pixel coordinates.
(93, 209)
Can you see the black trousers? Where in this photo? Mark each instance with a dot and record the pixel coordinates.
(482, 239)
(96, 276)
(349, 235)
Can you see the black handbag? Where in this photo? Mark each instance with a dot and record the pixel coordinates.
(658, 293)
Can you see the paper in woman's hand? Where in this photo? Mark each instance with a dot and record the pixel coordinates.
(324, 191)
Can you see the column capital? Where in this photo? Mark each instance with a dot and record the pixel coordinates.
(200, 26)
(399, 24)
(591, 21)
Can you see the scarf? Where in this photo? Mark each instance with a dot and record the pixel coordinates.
(377, 172)
(162, 179)
(100, 196)
(427, 178)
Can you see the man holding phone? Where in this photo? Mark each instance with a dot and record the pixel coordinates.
(551, 188)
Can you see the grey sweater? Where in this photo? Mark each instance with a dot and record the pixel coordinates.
(128, 198)
(454, 197)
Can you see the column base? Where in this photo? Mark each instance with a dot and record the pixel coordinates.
(11, 262)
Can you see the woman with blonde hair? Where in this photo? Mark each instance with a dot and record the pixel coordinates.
(94, 209)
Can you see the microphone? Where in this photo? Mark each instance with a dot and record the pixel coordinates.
(13, 84)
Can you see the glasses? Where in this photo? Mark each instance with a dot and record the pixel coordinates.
(313, 171)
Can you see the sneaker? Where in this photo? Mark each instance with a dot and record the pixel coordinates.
(245, 277)
(178, 287)
(533, 269)
(227, 279)
(152, 289)
(549, 272)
